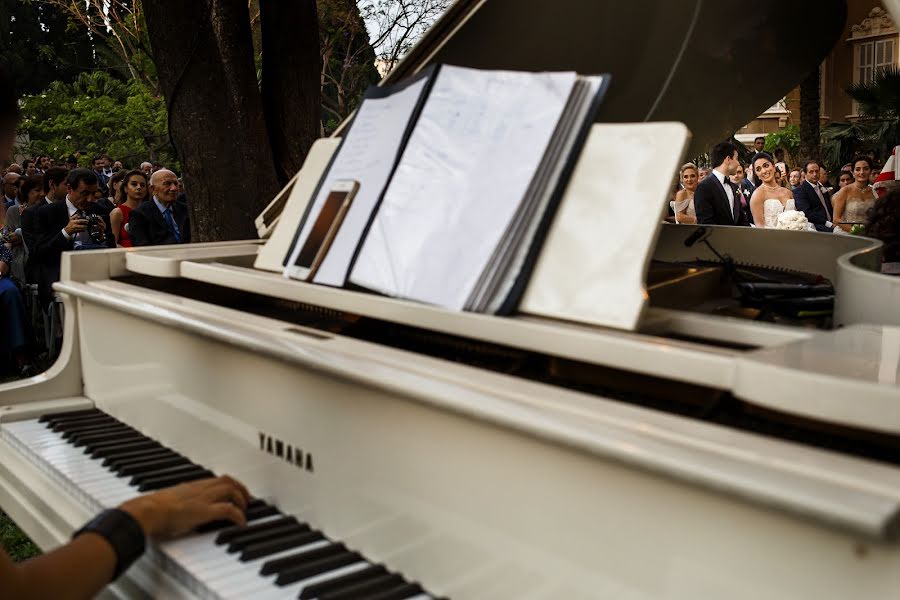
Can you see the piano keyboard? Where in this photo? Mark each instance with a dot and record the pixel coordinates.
(103, 462)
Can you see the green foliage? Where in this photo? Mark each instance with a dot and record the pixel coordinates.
(879, 98)
(14, 541)
(97, 113)
(39, 44)
(842, 141)
(788, 139)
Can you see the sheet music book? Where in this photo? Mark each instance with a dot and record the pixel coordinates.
(478, 171)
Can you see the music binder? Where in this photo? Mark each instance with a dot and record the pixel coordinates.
(479, 169)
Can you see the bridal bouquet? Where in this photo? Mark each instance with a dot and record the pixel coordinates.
(793, 220)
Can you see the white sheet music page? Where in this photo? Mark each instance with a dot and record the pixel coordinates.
(367, 155)
(473, 153)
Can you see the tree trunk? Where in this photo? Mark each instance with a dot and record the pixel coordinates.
(204, 58)
(809, 115)
(291, 72)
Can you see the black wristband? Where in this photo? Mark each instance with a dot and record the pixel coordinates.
(123, 533)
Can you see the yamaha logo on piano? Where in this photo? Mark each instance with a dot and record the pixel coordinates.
(288, 453)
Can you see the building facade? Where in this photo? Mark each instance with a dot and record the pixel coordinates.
(870, 41)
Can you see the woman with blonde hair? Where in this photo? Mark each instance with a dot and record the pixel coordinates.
(684, 199)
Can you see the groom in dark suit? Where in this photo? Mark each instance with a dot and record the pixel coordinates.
(812, 199)
(160, 220)
(716, 200)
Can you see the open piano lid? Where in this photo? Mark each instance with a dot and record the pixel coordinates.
(691, 61)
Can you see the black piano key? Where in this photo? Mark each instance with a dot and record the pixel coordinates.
(301, 558)
(318, 590)
(158, 483)
(401, 592)
(155, 473)
(241, 542)
(256, 509)
(286, 542)
(52, 417)
(70, 432)
(128, 469)
(233, 533)
(88, 437)
(92, 440)
(364, 589)
(299, 573)
(258, 512)
(62, 426)
(115, 458)
(103, 450)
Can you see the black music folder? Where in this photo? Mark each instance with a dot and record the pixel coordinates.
(464, 169)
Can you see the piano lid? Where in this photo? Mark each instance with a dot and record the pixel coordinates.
(714, 66)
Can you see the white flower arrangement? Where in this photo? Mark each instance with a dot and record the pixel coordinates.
(793, 220)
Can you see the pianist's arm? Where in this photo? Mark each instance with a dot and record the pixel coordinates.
(81, 568)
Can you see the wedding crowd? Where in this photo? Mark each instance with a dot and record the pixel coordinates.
(765, 192)
(49, 209)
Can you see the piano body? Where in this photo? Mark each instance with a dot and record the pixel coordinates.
(627, 438)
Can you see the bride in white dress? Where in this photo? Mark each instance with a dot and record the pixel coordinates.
(770, 199)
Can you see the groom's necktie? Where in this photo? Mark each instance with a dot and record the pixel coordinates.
(818, 188)
(170, 221)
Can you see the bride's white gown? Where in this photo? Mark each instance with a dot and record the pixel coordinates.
(772, 208)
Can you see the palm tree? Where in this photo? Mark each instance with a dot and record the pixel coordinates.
(878, 127)
(810, 99)
(880, 98)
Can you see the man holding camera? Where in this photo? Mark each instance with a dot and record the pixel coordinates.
(75, 224)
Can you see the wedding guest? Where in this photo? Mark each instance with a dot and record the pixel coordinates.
(132, 192)
(13, 317)
(813, 200)
(770, 199)
(702, 174)
(884, 225)
(873, 175)
(759, 144)
(684, 199)
(845, 179)
(744, 188)
(795, 178)
(852, 203)
(31, 192)
(111, 201)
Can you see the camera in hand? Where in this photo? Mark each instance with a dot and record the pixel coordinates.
(98, 236)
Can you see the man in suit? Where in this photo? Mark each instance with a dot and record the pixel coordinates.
(103, 173)
(160, 220)
(812, 199)
(11, 188)
(63, 226)
(716, 200)
(54, 191)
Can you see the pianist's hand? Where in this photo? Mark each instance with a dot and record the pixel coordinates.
(180, 508)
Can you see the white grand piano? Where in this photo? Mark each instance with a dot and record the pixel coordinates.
(635, 431)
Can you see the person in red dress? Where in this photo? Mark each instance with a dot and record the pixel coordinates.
(132, 192)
